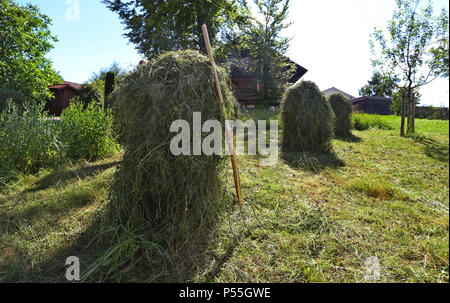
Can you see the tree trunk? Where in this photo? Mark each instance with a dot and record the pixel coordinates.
(413, 114)
(410, 110)
(402, 125)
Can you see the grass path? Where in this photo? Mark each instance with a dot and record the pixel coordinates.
(382, 196)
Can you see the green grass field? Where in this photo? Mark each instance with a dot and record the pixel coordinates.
(311, 218)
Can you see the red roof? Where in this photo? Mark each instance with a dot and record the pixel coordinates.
(66, 84)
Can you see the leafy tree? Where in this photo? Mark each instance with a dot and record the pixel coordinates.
(115, 67)
(414, 50)
(87, 94)
(268, 48)
(397, 99)
(159, 25)
(97, 80)
(25, 39)
(379, 85)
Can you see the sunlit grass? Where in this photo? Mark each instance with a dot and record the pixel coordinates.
(388, 197)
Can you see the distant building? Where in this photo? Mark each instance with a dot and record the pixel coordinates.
(372, 105)
(334, 90)
(63, 93)
(248, 86)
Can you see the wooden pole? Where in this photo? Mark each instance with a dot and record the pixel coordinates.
(413, 114)
(237, 183)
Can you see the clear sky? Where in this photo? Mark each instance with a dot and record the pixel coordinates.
(330, 39)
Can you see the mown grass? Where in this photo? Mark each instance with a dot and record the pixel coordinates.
(388, 197)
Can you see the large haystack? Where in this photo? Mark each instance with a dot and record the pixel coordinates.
(153, 187)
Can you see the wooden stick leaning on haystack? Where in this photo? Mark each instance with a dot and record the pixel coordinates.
(227, 129)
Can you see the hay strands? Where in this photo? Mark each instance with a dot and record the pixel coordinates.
(227, 129)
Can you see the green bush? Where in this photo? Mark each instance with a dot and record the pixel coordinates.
(87, 94)
(110, 86)
(343, 111)
(29, 139)
(87, 133)
(366, 121)
(9, 94)
(308, 119)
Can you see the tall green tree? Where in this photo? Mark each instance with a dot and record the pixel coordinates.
(268, 47)
(379, 85)
(415, 50)
(155, 26)
(25, 39)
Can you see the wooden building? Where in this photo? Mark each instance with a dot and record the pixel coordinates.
(248, 86)
(63, 93)
(372, 105)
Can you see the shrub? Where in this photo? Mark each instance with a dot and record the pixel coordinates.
(87, 94)
(366, 121)
(87, 133)
(110, 86)
(343, 111)
(9, 94)
(307, 119)
(29, 139)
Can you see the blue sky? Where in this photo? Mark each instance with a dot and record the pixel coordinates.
(330, 39)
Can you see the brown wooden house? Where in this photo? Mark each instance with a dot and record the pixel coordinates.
(372, 105)
(63, 93)
(248, 86)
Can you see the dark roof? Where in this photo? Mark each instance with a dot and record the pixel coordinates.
(66, 84)
(335, 90)
(374, 98)
(243, 64)
(300, 71)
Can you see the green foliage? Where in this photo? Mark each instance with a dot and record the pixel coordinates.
(343, 111)
(366, 121)
(87, 94)
(396, 106)
(379, 86)
(110, 86)
(415, 50)
(25, 41)
(308, 119)
(440, 51)
(86, 132)
(268, 48)
(7, 94)
(29, 139)
(158, 26)
(413, 34)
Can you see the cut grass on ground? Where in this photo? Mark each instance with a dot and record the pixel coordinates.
(388, 197)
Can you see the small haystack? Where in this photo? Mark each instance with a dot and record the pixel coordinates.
(343, 111)
(308, 119)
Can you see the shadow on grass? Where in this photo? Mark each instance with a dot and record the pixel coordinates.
(313, 162)
(433, 148)
(61, 177)
(144, 256)
(351, 139)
